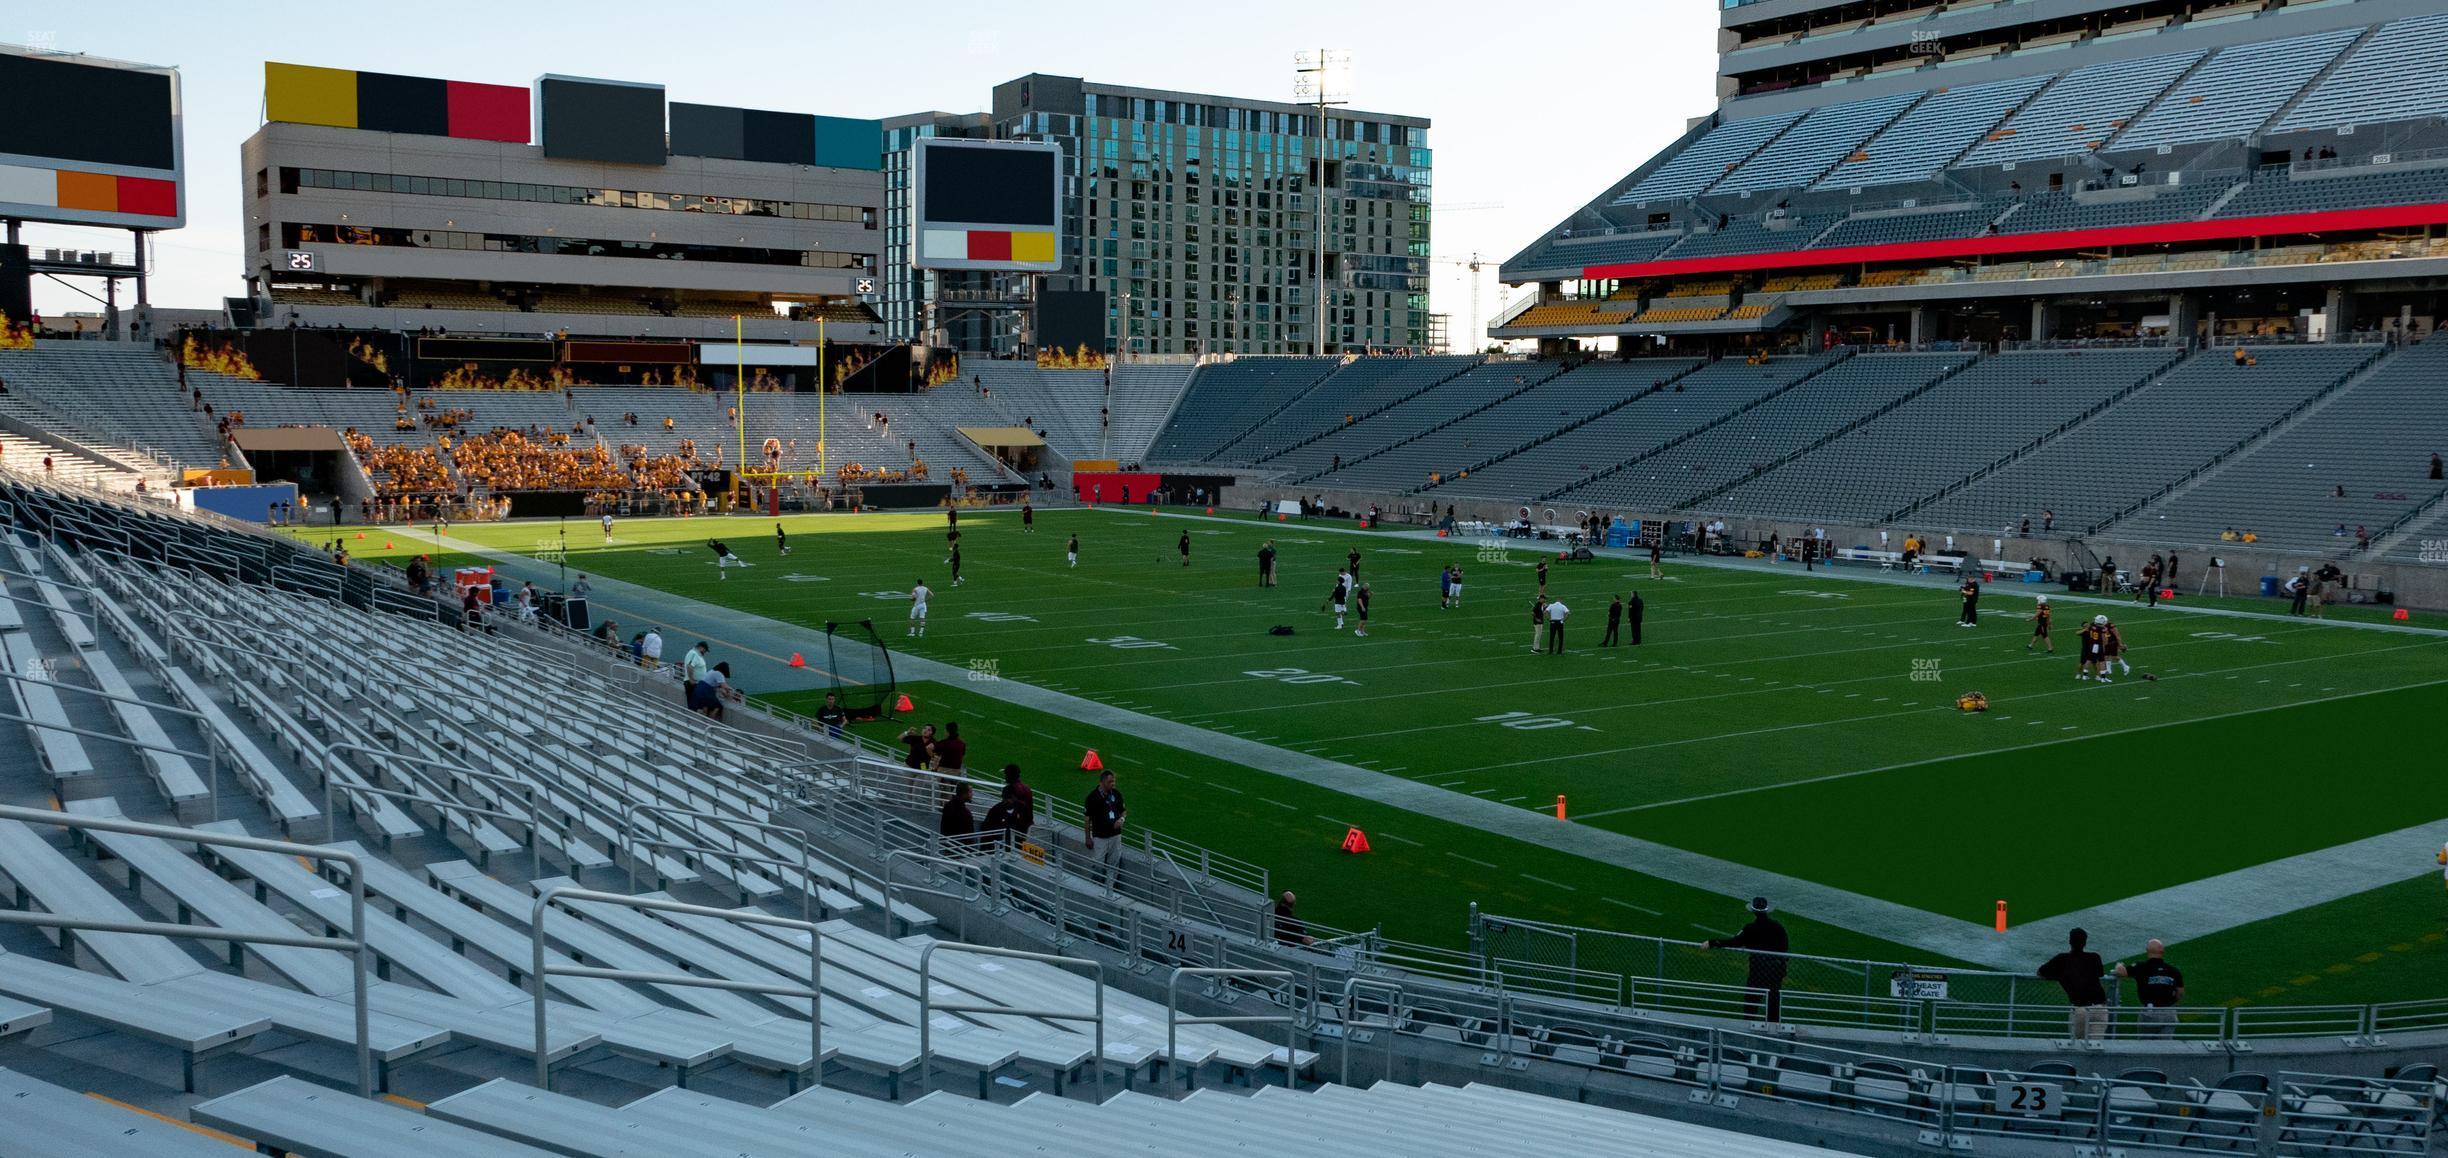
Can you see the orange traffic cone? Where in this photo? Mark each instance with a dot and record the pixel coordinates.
(1211, 510)
(1092, 762)
(1355, 841)
(903, 704)
(361, 534)
(386, 544)
(1279, 518)
(797, 661)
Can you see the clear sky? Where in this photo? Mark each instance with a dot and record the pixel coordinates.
(1536, 106)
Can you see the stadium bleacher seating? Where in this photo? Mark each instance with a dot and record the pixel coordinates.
(1478, 416)
(1829, 395)
(1929, 224)
(2374, 439)
(1700, 164)
(121, 394)
(2080, 111)
(1750, 235)
(1819, 140)
(1603, 249)
(2281, 189)
(2236, 91)
(2106, 208)
(1224, 402)
(1977, 416)
(1144, 395)
(1654, 415)
(2391, 75)
(2179, 423)
(1352, 395)
(1932, 133)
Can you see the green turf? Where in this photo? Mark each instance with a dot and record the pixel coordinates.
(1777, 719)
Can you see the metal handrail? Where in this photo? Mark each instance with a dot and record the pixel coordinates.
(527, 788)
(632, 839)
(928, 1006)
(960, 868)
(539, 969)
(356, 945)
(1174, 1020)
(212, 785)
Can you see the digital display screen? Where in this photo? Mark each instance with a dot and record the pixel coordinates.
(592, 120)
(91, 114)
(976, 184)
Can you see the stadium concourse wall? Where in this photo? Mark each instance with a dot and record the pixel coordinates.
(2418, 586)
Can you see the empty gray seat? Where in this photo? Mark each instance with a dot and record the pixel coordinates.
(44, 1121)
(291, 1115)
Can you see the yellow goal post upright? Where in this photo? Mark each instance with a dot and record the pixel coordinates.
(739, 411)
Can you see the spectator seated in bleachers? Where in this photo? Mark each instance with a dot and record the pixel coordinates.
(506, 460)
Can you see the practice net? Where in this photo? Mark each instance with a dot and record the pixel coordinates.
(861, 668)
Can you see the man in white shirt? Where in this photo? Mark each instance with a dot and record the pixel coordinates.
(918, 609)
(651, 649)
(607, 526)
(1556, 611)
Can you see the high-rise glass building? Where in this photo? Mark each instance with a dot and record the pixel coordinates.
(1192, 217)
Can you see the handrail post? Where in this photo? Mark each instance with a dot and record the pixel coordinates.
(813, 993)
(927, 1006)
(361, 951)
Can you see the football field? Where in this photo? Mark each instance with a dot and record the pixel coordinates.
(1774, 731)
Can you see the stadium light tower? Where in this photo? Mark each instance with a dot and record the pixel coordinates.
(1321, 77)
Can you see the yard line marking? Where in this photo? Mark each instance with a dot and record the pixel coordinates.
(1548, 883)
(1481, 791)
(1512, 799)
(1635, 908)
(1046, 735)
(1170, 772)
(1471, 859)
(1392, 837)
(1226, 787)
(1280, 804)
(1706, 929)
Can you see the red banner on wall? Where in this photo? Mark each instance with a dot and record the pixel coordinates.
(1115, 486)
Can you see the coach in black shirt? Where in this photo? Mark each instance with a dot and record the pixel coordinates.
(2161, 986)
(1765, 938)
(2078, 970)
(1632, 616)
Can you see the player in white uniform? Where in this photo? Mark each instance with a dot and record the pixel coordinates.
(1342, 593)
(607, 526)
(918, 609)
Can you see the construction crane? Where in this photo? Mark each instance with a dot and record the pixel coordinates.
(1473, 264)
